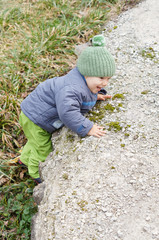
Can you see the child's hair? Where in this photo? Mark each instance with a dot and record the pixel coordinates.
(95, 60)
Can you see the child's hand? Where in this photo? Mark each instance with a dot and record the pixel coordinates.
(103, 97)
(96, 131)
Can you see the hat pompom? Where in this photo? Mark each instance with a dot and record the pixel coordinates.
(98, 41)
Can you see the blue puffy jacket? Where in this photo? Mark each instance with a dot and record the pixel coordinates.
(61, 101)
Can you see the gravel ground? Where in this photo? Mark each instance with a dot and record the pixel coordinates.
(108, 188)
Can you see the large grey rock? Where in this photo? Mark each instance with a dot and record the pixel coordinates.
(108, 188)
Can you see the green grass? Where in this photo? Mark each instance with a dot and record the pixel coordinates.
(16, 210)
(37, 40)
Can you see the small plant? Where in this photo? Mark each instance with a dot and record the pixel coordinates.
(74, 193)
(126, 134)
(148, 53)
(67, 201)
(70, 137)
(112, 167)
(65, 176)
(118, 95)
(57, 152)
(145, 92)
(95, 116)
(122, 145)
(109, 107)
(82, 205)
(120, 105)
(115, 126)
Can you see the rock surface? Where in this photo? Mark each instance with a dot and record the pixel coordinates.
(108, 188)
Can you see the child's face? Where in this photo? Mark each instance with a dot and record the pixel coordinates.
(96, 83)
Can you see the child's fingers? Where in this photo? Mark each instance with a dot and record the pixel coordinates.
(104, 97)
(100, 127)
(102, 133)
(99, 132)
(107, 96)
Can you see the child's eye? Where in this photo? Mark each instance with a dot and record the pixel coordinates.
(105, 78)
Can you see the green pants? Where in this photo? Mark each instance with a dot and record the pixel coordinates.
(38, 146)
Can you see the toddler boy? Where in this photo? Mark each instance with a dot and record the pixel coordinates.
(63, 101)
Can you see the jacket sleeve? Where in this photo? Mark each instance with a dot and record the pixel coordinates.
(68, 103)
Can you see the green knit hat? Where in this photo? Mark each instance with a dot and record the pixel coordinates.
(96, 61)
